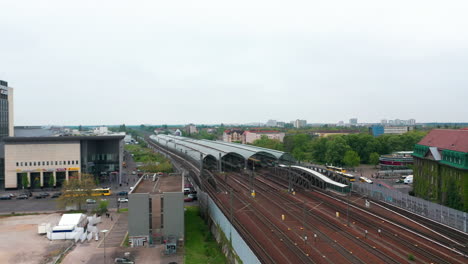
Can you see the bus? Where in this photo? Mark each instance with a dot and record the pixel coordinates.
(335, 169)
(365, 179)
(94, 192)
(348, 176)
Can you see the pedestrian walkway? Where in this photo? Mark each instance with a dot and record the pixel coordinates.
(117, 233)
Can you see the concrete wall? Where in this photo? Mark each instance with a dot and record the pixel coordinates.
(138, 215)
(173, 214)
(42, 152)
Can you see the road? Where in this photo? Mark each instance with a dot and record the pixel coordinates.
(50, 204)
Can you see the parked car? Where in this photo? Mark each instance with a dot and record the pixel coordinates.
(122, 200)
(22, 196)
(40, 196)
(56, 195)
(5, 197)
(122, 193)
(133, 172)
(90, 201)
(408, 179)
(12, 195)
(193, 196)
(124, 261)
(188, 199)
(45, 194)
(187, 191)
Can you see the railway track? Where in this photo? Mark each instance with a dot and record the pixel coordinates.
(334, 228)
(412, 246)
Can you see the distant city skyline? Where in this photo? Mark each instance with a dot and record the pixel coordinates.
(234, 62)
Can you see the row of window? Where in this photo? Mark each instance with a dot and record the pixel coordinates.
(47, 163)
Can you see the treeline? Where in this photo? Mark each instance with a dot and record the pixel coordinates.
(343, 149)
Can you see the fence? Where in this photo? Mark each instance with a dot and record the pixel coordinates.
(439, 213)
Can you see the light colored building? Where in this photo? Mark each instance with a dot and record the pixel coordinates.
(43, 158)
(280, 124)
(300, 123)
(191, 129)
(233, 135)
(383, 122)
(101, 130)
(251, 136)
(271, 123)
(6, 123)
(341, 123)
(397, 130)
(353, 121)
(412, 122)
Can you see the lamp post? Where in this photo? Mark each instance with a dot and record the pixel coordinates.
(104, 231)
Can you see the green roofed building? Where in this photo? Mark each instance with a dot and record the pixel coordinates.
(441, 167)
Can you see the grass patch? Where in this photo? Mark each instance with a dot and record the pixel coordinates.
(122, 210)
(126, 242)
(200, 245)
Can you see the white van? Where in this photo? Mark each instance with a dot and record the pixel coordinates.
(408, 179)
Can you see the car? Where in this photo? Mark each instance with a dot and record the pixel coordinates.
(187, 191)
(193, 196)
(39, 196)
(56, 195)
(12, 195)
(399, 181)
(122, 200)
(124, 261)
(22, 196)
(90, 201)
(188, 199)
(5, 197)
(133, 172)
(122, 193)
(45, 194)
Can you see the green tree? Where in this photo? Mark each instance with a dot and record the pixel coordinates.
(336, 149)
(24, 180)
(102, 207)
(351, 159)
(374, 158)
(51, 181)
(77, 190)
(266, 142)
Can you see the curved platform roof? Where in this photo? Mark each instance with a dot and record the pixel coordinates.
(320, 176)
(218, 149)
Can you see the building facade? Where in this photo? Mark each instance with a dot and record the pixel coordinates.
(441, 168)
(389, 130)
(6, 124)
(300, 123)
(233, 135)
(248, 137)
(49, 161)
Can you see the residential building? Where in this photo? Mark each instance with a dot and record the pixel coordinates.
(191, 129)
(251, 135)
(233, 135)
(441, 167)
(300, 123)
(6, 124)
(42, 158)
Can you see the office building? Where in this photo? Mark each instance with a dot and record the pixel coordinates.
(300, 123)
(60, 158)
(6, 124)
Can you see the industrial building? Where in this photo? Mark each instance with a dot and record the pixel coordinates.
(59, 158)
(441, 167)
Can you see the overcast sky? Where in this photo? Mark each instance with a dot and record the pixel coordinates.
(176, 62)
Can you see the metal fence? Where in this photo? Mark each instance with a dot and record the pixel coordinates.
(439, 213)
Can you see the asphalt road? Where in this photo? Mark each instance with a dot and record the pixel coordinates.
(50, 204)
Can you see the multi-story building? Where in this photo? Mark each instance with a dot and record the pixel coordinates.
(389, 130)
(441, 167)
(271, 123)
(6, 124)
(233, 135)
(300, 123)
(383, 122)
(191, 129)
(59, 158)
(280, 124)
(251, 135)
(353, 121)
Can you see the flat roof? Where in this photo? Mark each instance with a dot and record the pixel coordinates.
(65, 138)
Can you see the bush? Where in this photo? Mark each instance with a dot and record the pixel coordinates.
(411, 257)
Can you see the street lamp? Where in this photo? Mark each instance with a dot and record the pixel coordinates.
(104, 231)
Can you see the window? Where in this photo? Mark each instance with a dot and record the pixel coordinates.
(60, 162)
(47, 163)
(56, 163)
(43, 163)
(30, 163)
(17, 164)
(68, 162)
(34, 163)
(73, 162)
(64, 163)
(21, 163)
(76, 162)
